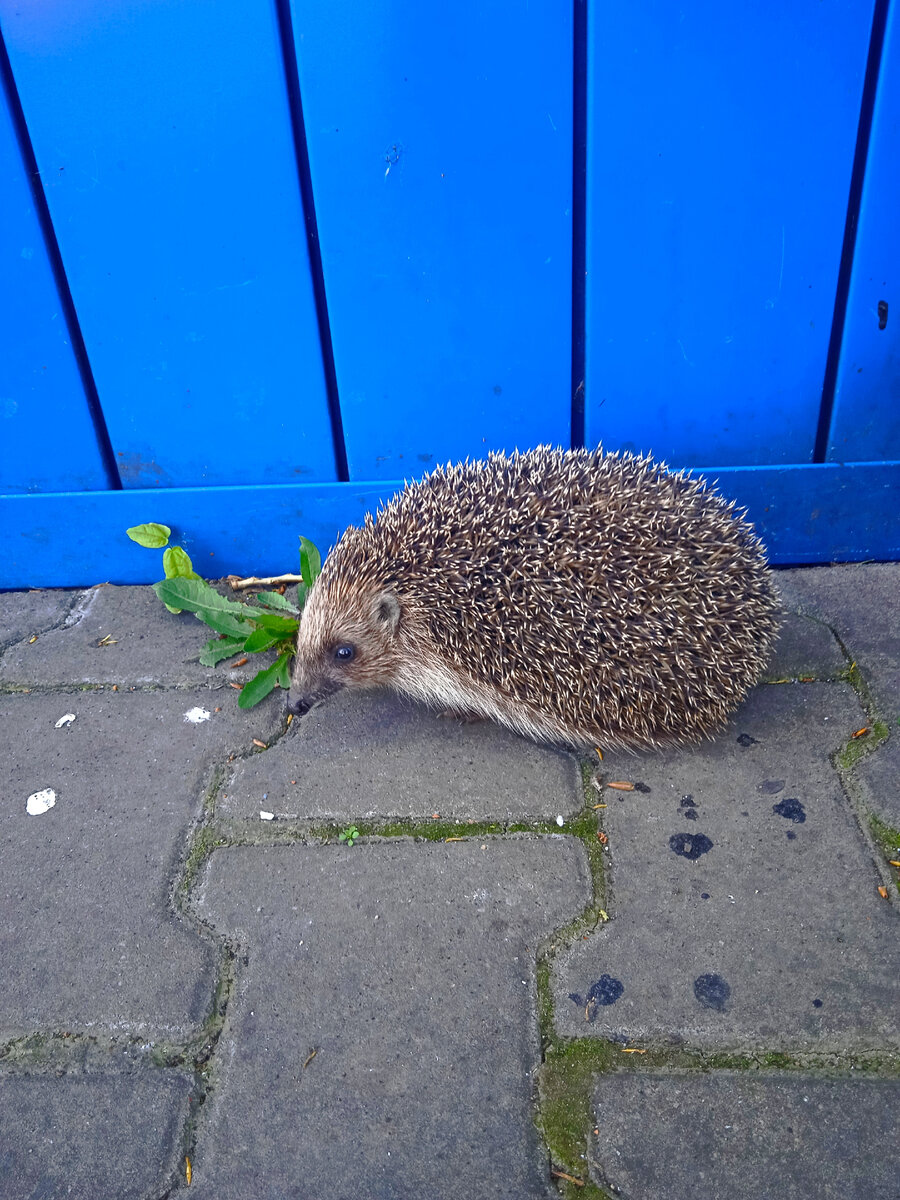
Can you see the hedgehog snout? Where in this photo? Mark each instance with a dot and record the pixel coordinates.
(298, 706)
(305, 693)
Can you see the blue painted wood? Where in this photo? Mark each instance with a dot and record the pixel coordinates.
(47, 437)
(866, 416)
(68, 540)
(819, 513)
(440, 149)
(163, 136)
(720, 148)
(806, 514)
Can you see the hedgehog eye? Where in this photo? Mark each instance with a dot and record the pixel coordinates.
(344, 654)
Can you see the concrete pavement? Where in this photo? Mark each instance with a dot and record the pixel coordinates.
(480, 997)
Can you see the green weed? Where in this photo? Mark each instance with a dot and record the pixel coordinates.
(270, 624)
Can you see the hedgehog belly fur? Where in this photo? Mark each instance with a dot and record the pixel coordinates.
(573, 596)
(438, 686)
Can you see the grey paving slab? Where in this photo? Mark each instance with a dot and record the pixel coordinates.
(746, 1137)
(878, 777)
(861, 601)
(744, 901)
(148, 645)
(409, 970)
(86, 937)
(372, 754)
(805, 646)
(90, 1137)
(25, 614)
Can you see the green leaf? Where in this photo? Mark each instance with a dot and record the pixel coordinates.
(153, 536)
(302, 591)
(177, 564)
(224, 616)
(284, 675)
(310, 561)
(276, 600)
(282, 626)
(222, 623)
(259, 686)
(217, 649)
(196, 594)
(260, 639)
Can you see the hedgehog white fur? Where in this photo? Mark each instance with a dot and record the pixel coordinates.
(576, 597)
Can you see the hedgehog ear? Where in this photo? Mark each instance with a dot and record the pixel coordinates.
(386, 610)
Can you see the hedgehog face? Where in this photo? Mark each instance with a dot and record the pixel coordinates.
(340, 645)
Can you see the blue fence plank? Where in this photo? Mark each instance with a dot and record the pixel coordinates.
(440, 148)
(866, 417)
(804, 514)
(163, 136)
(819, 513)
(719, 156)
(47, 439)
(78, 540)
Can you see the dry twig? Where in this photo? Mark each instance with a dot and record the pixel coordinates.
(563, 1175)
(238, 584)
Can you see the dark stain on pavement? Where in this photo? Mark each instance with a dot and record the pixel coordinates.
(791, 809)
(712, 991)
(689, 806)
(690, 845)
(605, 991)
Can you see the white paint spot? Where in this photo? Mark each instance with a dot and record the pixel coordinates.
(40, 802)
(195, 715)
(560, 821)
(64, 720)
(266, 816)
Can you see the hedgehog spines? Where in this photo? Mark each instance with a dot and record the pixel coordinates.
(572, 595)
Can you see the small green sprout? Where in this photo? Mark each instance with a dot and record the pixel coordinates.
(270, 624)
(350, 834)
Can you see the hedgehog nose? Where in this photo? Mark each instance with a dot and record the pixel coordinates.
(298, 706)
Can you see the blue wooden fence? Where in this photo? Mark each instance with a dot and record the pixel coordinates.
(264, 259)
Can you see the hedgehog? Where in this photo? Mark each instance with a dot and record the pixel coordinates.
(580, 598)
